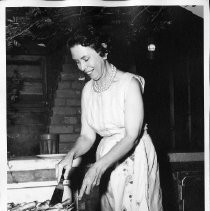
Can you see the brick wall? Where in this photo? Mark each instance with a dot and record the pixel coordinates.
(66, 111)
(26, 118)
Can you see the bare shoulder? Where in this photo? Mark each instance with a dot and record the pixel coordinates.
(134, 85)
(134, 82)
(119, 75)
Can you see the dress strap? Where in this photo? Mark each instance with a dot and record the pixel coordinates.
(127, 80)
(141, 80)
(145, 128)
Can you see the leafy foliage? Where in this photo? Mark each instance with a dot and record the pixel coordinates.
(48, 27)
(14, 86)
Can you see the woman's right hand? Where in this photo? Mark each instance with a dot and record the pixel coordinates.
(66, 164)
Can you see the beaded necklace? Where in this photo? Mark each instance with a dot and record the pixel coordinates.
(107, 83)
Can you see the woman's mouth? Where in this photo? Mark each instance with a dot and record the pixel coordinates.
(89, 72)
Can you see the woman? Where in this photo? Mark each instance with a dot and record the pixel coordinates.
(112, 106)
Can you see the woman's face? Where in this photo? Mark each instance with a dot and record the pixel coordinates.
(88, 60)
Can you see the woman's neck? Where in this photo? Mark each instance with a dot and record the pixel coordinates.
(105, 74)
(106, 79)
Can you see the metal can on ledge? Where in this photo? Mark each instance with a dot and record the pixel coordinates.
(49, 143)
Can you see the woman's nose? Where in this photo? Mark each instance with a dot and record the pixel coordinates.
(82, 66)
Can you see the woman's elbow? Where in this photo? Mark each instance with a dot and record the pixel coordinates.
(131, 138)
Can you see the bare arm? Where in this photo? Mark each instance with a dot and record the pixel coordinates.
(84, 141)
(134, 114)
(82, 145)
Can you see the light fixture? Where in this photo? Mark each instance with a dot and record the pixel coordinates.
(41, 45)
(151, 47)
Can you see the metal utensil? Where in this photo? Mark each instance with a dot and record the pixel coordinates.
(58, 192)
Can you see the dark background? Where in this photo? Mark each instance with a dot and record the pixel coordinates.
(173, 73)
(173, 96)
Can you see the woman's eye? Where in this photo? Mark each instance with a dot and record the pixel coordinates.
(86, 59)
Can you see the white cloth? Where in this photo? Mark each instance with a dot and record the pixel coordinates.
(134, 184)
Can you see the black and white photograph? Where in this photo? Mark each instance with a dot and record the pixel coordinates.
(106, 105)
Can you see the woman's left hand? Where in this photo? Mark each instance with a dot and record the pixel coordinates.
(92, 178)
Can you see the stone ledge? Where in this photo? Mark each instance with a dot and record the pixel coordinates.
(30, 191)
(36, 163)
(32, 175)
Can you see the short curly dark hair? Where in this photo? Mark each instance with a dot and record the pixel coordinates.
(91, 37)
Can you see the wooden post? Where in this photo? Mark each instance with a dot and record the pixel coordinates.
(172, 117)
(189, 103)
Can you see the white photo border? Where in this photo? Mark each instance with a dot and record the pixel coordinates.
(108, 3)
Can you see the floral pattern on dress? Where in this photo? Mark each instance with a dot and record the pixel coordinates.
(132, 157)
(129, 180)
(127, 170)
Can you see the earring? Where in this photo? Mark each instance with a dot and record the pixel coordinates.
(105, 56)
(104, 45)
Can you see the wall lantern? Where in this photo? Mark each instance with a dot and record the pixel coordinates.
(151, 47)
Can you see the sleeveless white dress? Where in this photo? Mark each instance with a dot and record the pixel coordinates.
(134, 184)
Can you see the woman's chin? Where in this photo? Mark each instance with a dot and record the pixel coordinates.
(90, 76)
(93, 77)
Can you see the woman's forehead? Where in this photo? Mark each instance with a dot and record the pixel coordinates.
(79, 51)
